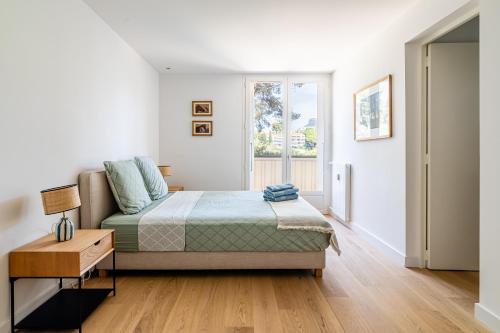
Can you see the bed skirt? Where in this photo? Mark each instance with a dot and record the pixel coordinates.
(215, 260)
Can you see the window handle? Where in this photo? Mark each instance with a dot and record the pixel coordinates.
(252, 157)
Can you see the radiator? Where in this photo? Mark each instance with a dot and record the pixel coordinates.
(341, 191)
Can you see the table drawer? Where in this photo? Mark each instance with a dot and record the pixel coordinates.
(92, 253)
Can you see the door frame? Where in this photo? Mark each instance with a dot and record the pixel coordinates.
(248, 123)
(320, 199)
(416, 136)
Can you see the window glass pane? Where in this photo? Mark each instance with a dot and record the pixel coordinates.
(306, 166)
(268, 140)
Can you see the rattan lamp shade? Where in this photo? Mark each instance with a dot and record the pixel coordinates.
(165, 170)
(60, 199)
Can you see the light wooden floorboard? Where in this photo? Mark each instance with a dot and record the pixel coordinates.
(361, 291)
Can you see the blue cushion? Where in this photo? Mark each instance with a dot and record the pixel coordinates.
(127, 186)
(153, 179)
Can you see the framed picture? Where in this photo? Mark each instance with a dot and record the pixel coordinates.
(202, 128)
(373, 111)
(202, 108)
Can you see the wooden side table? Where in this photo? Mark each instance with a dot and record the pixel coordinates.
(46, 258)
(175, 188)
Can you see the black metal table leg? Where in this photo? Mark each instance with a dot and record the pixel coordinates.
(80, 304)
(114, 275)
(12, 307)
(60, 283)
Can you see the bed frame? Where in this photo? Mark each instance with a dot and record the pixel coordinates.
(98, 203)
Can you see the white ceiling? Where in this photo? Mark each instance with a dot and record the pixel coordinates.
(213, 36)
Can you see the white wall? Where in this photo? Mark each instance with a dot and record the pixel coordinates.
(203, 163)
(72, 94)
(488, 308)
(381, 176)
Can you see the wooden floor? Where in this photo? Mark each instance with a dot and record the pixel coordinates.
(361, 291)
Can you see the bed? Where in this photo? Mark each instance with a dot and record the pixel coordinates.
(205, 230)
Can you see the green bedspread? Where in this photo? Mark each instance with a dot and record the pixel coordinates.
(126, 227)
(225, 221)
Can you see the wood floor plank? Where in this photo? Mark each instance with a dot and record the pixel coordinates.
(181, 318)
(214, 307)
(265, 306)
(316, 306)
(351, 316)
(239, 306)
(159, 305)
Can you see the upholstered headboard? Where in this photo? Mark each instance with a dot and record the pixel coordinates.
(97, 199)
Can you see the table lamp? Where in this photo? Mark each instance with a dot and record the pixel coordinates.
(60, 200)
(165, 170)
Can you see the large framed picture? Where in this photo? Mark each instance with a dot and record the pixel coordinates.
(202, 128)
(373, 111)
(202, 108)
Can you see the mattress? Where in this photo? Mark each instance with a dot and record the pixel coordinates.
(224, 221)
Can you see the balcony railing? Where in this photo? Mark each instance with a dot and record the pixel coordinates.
(269, 170)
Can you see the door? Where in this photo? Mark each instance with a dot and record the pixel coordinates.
(285, 133)
(453, 156)
(305, 148)
(268, 135)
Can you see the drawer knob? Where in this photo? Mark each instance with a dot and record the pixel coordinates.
(97, 243)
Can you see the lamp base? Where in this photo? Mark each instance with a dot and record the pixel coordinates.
(64, 230)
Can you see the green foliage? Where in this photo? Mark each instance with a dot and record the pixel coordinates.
(268, 106)
(268, 153)
(311, 138)
(263, 147)
(304, 152)
(267, 97)
(277, 127)
(269, 123)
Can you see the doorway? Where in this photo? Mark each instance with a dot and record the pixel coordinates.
(286, 133)
(451, 157)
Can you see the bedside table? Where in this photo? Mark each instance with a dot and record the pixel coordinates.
(47, 258)
(175, 188)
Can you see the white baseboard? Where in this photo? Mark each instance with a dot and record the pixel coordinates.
(338, 219)
(413, 262)
(29, 306)
(487, 317)
(380, 244)
(387, 249)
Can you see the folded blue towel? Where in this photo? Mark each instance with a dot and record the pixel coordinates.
(276, 188)
(282, 198)
(281, 193)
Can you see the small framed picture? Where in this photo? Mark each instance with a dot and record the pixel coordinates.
(202, 108)
(202, 128)
(373, 111)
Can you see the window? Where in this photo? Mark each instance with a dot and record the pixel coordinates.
(285, 118)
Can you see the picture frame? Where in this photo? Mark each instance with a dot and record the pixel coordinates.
(202, 109)
(373, 110)
(202, 128)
